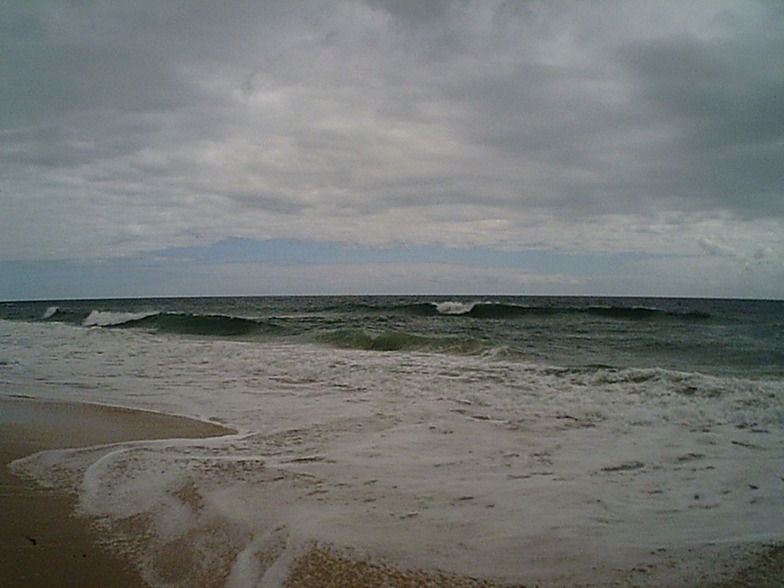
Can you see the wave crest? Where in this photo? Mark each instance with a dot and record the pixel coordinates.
(394, 340)
(501, 310)
(194, 324)
(102, 318)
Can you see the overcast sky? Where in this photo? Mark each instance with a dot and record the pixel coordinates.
(187, 147)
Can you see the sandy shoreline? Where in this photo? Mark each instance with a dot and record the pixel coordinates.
(42, 543)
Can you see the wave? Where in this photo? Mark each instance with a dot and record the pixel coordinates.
(102, 318)
(394, 340)
(161, 322)
(58, 315)
(500, 310)
(194, 324)
(643, 312)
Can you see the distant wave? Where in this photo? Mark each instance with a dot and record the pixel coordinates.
(393, 340)
(163, 322)
(194, 324)
(499, 310)
(102, 318)
(57, 314)
(50, 312)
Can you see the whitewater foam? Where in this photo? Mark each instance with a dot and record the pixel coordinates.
(102, 318)
(452, 307)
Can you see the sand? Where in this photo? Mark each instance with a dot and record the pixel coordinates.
(42, 543)
(326, 567)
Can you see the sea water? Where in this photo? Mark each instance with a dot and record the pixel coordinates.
(522, 439)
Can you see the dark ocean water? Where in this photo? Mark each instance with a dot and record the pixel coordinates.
(719, 337)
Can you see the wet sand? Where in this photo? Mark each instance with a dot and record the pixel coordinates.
(42, 542)
(327, 568)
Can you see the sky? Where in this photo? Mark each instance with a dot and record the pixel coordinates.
(193, 147)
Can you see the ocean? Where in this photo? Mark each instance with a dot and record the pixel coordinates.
(522, 439)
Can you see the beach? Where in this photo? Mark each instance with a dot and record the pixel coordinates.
(42, 541)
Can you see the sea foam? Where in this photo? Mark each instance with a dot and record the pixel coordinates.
(102, 318)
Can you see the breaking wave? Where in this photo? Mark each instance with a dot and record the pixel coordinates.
(499, 310)
(101, 318)
(195, 324)
(57, 314)
(163, 322)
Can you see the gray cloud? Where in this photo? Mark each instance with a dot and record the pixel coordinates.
(621, 126)
(722, 100)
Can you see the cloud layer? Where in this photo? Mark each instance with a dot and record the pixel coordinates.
(651, 128)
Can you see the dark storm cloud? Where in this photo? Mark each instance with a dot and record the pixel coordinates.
(50, 73)
(723, 104)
